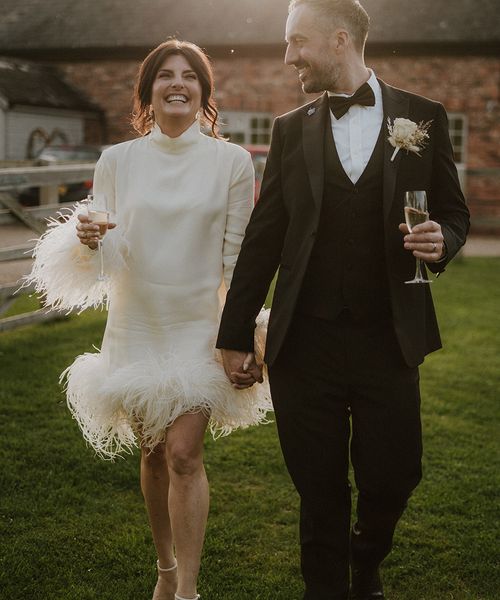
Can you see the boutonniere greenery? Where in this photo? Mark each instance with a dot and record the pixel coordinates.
(407, 135)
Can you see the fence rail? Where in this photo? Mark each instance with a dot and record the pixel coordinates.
(16, 252)
(484, 172)
(14, 177)
(39, 213)
(48, 179)
(30, 318)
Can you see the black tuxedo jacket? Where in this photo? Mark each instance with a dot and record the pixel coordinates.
(282, 229)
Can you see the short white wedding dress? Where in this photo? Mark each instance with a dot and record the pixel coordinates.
(181, 206)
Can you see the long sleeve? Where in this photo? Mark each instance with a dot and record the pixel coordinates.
(65, 271)
(240, 201)
(446, 201)
(104, 181)
(259, 257)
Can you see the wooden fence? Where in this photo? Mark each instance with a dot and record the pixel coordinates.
(48, 179)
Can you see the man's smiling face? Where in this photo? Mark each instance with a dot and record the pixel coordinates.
(310, 50)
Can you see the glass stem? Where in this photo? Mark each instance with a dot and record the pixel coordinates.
(101, 259)
(418, 269)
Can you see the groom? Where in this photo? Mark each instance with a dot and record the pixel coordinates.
(346, 334)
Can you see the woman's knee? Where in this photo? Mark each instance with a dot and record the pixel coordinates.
(154, 458)
(184, 458)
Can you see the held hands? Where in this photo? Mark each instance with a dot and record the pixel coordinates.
(425, 241)
(88, 232)
(241, 368)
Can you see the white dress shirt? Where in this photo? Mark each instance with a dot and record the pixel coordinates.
(356, 132)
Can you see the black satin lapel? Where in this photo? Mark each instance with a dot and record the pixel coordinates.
(396, 105)
(314, 123)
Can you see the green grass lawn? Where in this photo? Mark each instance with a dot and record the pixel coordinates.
(73, 527)
(22, 304)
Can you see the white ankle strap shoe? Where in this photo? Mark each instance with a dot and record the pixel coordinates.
(165, 570)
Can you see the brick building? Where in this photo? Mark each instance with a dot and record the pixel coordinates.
(446, 51)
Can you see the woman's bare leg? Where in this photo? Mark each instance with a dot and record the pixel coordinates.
(188, 497)
(155, 483)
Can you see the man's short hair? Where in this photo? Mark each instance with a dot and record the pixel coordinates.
(340, 13)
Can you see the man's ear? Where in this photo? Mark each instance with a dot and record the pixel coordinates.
(340, 40)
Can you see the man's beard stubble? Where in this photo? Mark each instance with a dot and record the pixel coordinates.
(325, 79)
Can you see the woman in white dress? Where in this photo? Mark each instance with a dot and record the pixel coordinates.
(181, 201)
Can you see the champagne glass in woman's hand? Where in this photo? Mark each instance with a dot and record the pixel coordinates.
(98, 214)
(416, 213)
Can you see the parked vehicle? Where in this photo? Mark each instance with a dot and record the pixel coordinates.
(60, 155)
(66, 153)
(259, 156)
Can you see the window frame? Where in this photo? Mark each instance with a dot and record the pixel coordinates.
(247, 127)
(459, 150)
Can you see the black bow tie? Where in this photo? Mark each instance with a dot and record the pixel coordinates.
(339, 105)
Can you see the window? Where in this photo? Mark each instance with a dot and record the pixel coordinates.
(246, 127)
(458, 136)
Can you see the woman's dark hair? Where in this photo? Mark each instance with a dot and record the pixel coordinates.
(142, 119)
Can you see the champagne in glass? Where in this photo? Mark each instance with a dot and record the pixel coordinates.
(416, 213)
(99, 215)
(413, 216)
(101, 218)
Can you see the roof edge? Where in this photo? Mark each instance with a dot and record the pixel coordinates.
(475, 48)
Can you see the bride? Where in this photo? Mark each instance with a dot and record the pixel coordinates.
(181, 201)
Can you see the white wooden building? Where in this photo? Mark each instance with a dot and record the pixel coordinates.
(37, 107)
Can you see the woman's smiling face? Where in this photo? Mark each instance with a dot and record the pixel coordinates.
(176, 94)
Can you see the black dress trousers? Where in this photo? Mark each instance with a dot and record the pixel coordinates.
(341, 389)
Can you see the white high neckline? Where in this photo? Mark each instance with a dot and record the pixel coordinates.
(164, 142)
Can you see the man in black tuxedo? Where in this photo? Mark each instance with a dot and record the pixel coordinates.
(346, 334)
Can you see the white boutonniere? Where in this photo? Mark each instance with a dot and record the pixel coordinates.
(407, 135)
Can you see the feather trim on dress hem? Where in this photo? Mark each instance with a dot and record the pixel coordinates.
(149, 395)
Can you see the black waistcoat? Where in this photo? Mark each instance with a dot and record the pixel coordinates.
(347, 265)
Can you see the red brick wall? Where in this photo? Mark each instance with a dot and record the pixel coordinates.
(470, 86)
(109, 84)
(464, 85)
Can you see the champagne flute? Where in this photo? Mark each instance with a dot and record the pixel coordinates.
(98, 214)
(415, 213)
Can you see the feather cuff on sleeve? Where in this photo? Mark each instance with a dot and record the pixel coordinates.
(65, 271)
